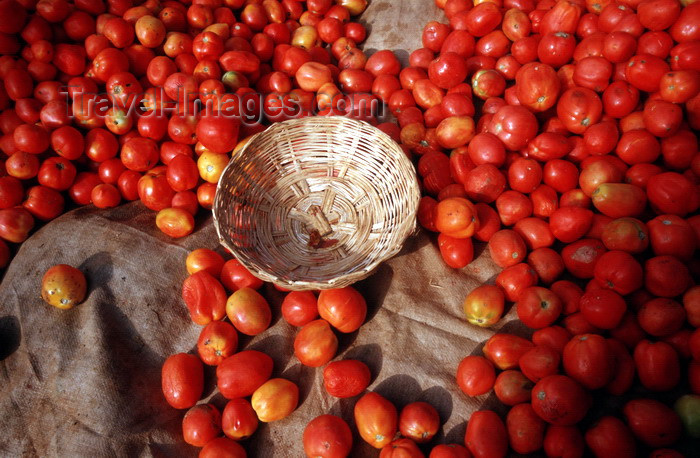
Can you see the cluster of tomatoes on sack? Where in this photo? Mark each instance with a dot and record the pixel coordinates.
(582, 176)
(110, 101)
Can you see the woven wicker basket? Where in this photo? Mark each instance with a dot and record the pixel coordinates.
(316, 202)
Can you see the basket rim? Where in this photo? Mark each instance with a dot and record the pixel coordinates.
(344, 279)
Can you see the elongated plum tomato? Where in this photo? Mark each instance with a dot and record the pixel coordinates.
(240, 375)
(346, 378)
(248, 311)
(515, 126)
(376, 419)
(579, 108)
(456, 217)
(315, 344)
(218, 132)
(475, 375)
(484, 305)
(419, 421)
(182, 378)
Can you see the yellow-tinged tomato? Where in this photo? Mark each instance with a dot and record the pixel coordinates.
(241, 144)
(211, 166)
(248, 311)
(484, 305)
(275, 399)
(63, 286)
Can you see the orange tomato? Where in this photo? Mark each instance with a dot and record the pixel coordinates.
(275, 399)
(456, 217)
(376, 419)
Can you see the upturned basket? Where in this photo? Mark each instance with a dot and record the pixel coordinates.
(316, 202)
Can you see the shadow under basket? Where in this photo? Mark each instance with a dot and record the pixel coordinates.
(316, 202)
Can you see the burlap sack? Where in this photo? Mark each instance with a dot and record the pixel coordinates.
(86, 381)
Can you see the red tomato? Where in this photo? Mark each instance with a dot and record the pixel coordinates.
(205, 297)
(525, 429)
(457, 253)
(652, 422)
(657, 364)
(539, 362)
(560, 400)
(401, 448)
(315, 344)
(672, 193)
(569, 224)
(645, 71)
(513, 281)
(587, 359)
(554, 337)
(241, 374)
(235, 276)
(419, 421)
(376, 419)
(666, 276)
(563, 441)
(515, 126)
(238, 420)
(609, 436)
(505, 350)
(218, 340)
(507, 248)
(201, 424)
(538, 307)
(222, 447)
(475, 375)
(579, 108)
(512, 387)
(661, 317)
(327, 436)
(486, 434)
(346, 378)
(344, 308)
(182, 379)
(619, 271)
(603, 309)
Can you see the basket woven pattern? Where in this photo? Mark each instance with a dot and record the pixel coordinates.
(316, 202)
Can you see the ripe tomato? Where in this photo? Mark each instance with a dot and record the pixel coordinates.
(515, 126)
(657, 364)
(524, 175)
(154, 190)
(539, 362)
(447, 70)
(419, 421)
(43, 203)
(315, 344)
(486, 435)
(579, 108)
(619, 271)
(537, 86)
(661, 317)
(609, 436)
(238, 420)
(217, 341)
(201, 424)
(626, 234)
(560, 400)
(376, 419)
(174, 222)
(507, 248)
(220, 447)
(248, 311)
(346, 378)
(299, 307)
(235, 276)
(525, 429)
(554, 337)
(457, 253)
(581, 256)
(241, 374)
(275, 399)
(603, 309)
(564, 441)
(666, 276)
(512, 387)
(672, 193)
(327, 436)
(547, 264)
(204, 259)
(652, 422)
(484, 183)
(401, 448)
(344, 308)
(645, 71)
(514, 280)
(484, 305)
(475, 375)
(588, 360)
(505, 350)
(182, 379)
(205, 297)
(538, 307)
